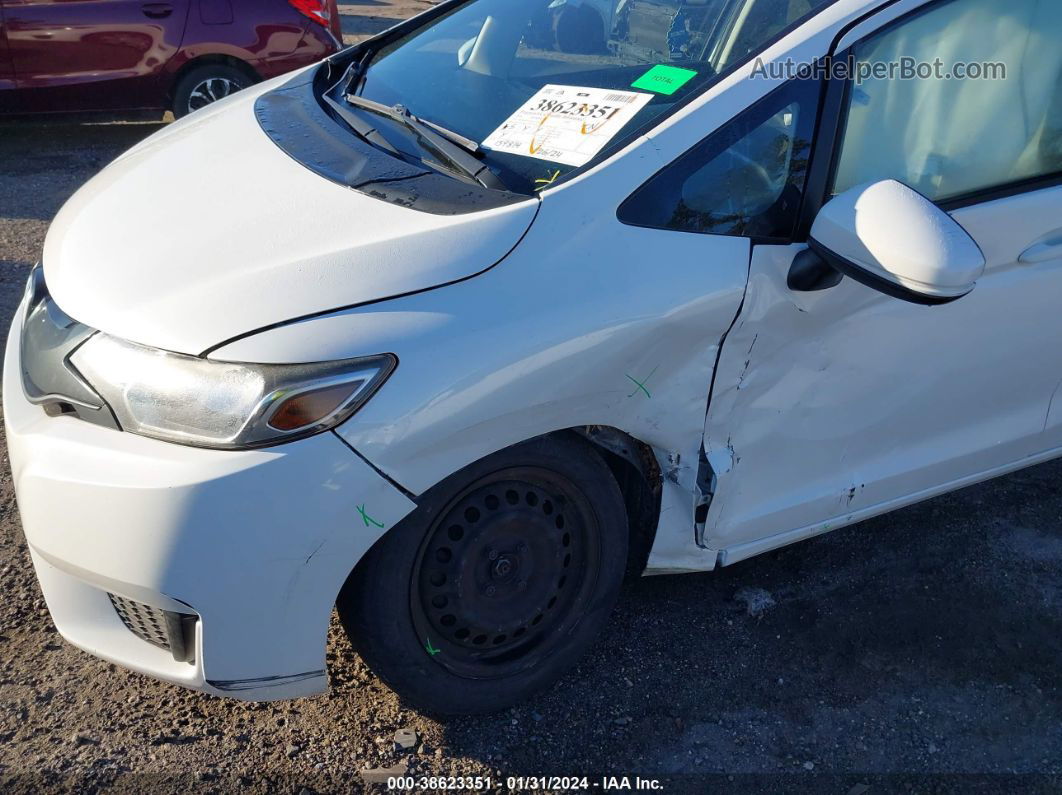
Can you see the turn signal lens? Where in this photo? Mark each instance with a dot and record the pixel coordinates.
(310, 408)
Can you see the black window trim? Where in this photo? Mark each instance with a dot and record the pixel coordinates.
(1005, 191)
(723, 130)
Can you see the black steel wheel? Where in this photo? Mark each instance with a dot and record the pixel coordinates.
(497, 583)
(504, 571)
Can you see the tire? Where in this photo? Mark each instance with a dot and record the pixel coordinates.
(207, 84)
(497, 583)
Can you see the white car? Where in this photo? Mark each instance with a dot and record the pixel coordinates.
(453, 332)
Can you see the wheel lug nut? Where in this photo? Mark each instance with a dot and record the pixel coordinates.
(491, 590)
(492, 554)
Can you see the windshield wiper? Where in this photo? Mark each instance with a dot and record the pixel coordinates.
(356, 71)
(456, 150)
(359, 125)
(467, 144)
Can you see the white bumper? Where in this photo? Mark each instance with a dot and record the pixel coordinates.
(256, 543)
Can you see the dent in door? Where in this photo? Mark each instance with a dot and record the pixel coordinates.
(762, 395)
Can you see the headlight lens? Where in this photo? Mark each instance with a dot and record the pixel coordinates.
(226, 405)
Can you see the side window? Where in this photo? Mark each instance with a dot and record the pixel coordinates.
(745, 180)
(998, 125)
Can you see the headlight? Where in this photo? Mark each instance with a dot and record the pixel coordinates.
(224, 405)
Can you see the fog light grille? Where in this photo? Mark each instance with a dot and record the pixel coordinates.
(171, 631)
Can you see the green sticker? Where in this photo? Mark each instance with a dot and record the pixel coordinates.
(664, 79)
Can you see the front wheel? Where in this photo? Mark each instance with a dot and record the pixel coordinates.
(497, 583)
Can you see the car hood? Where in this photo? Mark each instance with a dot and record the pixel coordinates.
(207, 231)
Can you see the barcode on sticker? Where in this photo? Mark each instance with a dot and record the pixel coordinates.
(620, 98)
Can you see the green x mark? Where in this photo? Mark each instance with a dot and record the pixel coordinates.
(641, 384)
(366, 518)
(431, 650)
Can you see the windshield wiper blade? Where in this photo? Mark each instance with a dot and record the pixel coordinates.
(360, 126)
(465, 143)
(455, 149)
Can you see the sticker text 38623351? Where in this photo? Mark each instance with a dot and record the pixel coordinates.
(566, 124)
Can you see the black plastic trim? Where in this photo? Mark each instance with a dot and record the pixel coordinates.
(810, 273)
(47, 340)
(1006, 191)
(823, 154)
(302, 128)
(828, 134)
(874, 282)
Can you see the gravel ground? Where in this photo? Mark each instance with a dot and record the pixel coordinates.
(365, 19)
(915, 652)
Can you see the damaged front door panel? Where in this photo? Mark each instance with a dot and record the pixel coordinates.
(830, 406)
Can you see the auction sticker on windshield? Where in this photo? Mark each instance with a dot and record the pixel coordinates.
(566, 124)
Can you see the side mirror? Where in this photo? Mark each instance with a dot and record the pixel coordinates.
(893, 239)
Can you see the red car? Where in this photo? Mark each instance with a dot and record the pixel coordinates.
(89, 55)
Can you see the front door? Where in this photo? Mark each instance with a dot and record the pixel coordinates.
(92, 54)
(834, 405)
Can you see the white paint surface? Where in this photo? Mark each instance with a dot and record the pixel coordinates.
(212, 231)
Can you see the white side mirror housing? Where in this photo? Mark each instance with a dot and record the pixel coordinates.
(893, 239)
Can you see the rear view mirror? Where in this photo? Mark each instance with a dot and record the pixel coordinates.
(891, 238)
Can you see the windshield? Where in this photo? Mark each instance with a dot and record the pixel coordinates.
(541, 87)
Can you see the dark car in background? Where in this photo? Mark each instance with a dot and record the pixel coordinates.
(122, 55)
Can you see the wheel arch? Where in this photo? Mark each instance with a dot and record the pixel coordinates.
(635, 468)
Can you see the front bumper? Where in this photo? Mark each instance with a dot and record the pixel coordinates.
(251, 547)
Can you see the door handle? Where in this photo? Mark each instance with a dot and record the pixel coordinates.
(1043, 251)
(157, 10)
